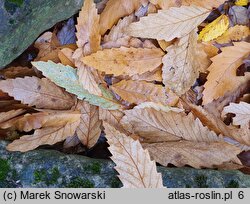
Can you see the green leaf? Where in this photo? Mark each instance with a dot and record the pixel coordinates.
(66, 77)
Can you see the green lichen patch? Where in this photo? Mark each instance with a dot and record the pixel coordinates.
(80, 183)
(201, 181)
(233, 184)
(4, 169)
(48, 177)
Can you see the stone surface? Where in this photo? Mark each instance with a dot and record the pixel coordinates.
(49, 168)
(22, 21)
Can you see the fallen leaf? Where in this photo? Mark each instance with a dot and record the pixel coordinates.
(195, 154)
(238, 16)
(133, 163)
(182, 64)
(241, 111)
(125, 61)
(67, 78)
(89, 129)
(241, 2)
(44, 136)
(116, 9)
(65, 56)
(222, 76)
(140, 91)
(235, 33)
(169, 24)
(214, 29)
(155, 75)
(15, 72)
(40, 93)
(5, 116)
(67, 34)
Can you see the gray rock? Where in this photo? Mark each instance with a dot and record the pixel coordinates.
(49, 168)
(22, 21)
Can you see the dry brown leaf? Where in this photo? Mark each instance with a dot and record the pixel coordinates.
(40, 93)
(133, 163)
(159, 126)
(177, 3)
(195, 154)
(116, 9)
(169, 24)
(241, 111)
(140, 91)
(112, 117)
(210, 49)
(235, 33)
(89, 129)
(44, 136)
(5, 116)
(65, 56)
(35, 121)
(125, 61)
(155, 75)
(182, 64)
(88, 35)
(222, 77)
(15, 72)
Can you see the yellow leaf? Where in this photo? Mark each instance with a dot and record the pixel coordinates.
(214, 29)
(235, 33)
(169, 24)
(140, 91)
(241, 2)
(89, 129)
(125, 61)
(44, 136)
(133, 163)
(222, 77)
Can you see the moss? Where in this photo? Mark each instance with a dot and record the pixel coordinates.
(233, 184)
(4, 169)
(40, 175)
(48, 177)
(55, 174)
(80, 183)
(16, 2)
(115, 183)
(95, 168)
(201, 181)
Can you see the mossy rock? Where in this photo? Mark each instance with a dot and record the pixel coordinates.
(22, 21)
(49, 168)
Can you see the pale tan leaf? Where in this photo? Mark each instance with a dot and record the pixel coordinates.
(89, 79)
(140, 91)
(71, 142)
(40, 93)
(160, 126)
(195, 154)
(182, 63)
(44, 136)
(5, 116)
(133, 163)
(222, 77)
(89, 129)
(241, 111)
(169, 24)
(118, 30)
(166, 4)
(88, 29)
(235, 33)
(158, 107)
(116, 9)
(125, 61)
(35, 121)
(210, 49)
